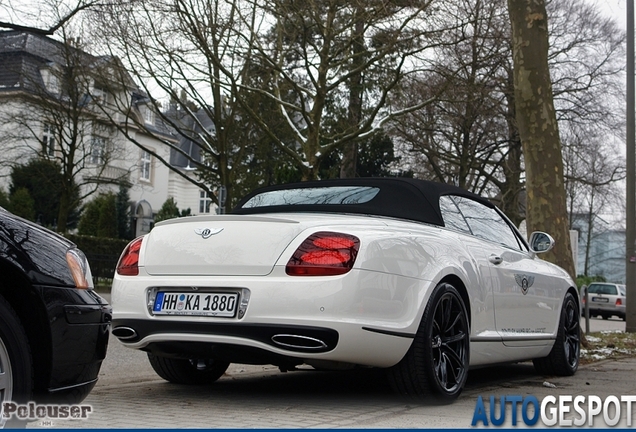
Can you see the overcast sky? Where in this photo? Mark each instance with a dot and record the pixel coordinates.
(615, 8)
(31, 12)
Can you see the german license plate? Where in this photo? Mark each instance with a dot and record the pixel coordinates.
(600, 299)
(202, 304)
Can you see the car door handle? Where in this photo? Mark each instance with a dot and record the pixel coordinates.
(495, 259)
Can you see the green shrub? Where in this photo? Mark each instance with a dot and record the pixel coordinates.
(22, 204)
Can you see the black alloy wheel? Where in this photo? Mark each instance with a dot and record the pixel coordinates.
(436, 365)
(16, 363)
(564, 358)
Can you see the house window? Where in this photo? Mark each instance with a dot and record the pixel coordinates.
(149, 115)
(98, 150)
(100, 95)
(50, 81)
(48, 139)
(204, 202)
(145, 166)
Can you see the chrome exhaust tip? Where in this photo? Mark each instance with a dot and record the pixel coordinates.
(124, 333)
(298, 342)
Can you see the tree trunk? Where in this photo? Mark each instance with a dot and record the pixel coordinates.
(62, 215)
(538, 129)
(348, 167)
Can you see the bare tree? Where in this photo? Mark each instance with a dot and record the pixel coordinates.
(592, 175)
(317, 59)
(469, 136)
(52, 113)
(187, 50)
(586, 60)
(459, 133)
(60, 16)
(538, 128)
(231, 58)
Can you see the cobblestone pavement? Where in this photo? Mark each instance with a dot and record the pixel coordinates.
(130, 395)
(262, 397)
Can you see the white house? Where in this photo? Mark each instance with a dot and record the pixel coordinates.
(113, 129)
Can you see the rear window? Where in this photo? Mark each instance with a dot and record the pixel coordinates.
(603, 289)
(316, 196)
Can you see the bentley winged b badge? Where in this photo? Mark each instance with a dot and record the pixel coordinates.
(207, 232)
(524, 281)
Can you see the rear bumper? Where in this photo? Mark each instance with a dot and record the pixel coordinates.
(364, 317)
(264, 343)
(301, 339)
(260, 344)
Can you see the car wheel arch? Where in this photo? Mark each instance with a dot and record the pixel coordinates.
(564, 356)
(459, 285)
(18, 291)
(575, 294)
(427, 371)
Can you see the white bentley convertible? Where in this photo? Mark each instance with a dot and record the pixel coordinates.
(424, 279)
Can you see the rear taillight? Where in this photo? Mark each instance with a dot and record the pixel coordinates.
(128, 264)
(619, 302)
(324, 254)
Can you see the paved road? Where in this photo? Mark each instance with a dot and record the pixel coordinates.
(597, 324)
(130, 395)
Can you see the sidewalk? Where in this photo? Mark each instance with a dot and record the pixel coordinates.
(262, 397)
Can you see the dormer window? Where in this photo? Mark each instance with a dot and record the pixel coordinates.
(50, 80)
(100, 94)
(149, 115)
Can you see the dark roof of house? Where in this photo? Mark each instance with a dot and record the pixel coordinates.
(402, 198)
(23, 54)
(188, 124)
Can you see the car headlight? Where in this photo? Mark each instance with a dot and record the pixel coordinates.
(80, 269)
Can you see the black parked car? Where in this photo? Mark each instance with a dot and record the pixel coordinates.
(53, 327)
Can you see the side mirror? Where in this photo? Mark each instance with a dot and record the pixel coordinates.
(541, 242)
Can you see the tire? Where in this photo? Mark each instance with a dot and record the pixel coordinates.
(436, 365)
(563, 360)
(16, 363)
(605, 316)
(184, 371)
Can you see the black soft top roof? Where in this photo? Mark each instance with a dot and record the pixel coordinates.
(402, 198)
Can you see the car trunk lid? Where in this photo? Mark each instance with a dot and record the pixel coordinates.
(218, 245)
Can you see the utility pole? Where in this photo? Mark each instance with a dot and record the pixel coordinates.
(630, 223)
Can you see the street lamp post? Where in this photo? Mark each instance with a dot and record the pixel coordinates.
(630, 227)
